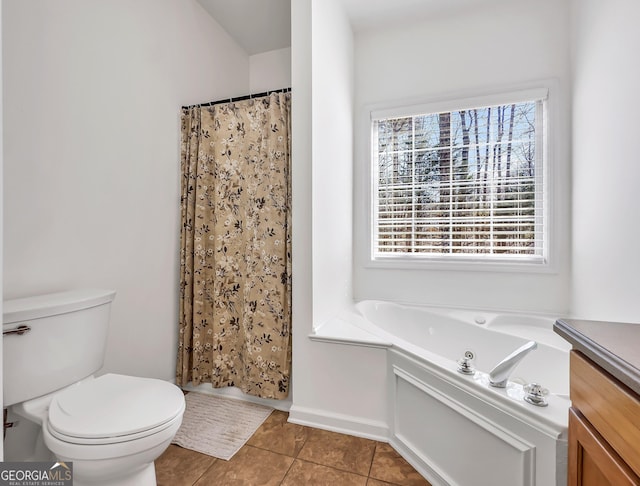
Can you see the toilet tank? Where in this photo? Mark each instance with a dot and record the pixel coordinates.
(66, 341)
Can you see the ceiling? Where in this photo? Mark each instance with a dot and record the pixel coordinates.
(367, 14)
(256, 25)
(265, 25)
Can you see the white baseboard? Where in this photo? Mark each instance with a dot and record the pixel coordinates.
(343, 424)
(236, 393)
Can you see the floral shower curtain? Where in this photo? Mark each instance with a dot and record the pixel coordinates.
(235, 262)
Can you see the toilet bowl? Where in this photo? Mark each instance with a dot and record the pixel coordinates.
(112, 427)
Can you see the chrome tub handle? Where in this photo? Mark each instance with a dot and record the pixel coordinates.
(20, 330)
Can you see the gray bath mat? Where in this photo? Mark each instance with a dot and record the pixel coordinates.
(217, 426)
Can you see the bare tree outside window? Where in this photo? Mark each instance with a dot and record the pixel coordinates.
(459, 182)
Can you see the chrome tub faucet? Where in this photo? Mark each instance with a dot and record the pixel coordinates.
(500, 373)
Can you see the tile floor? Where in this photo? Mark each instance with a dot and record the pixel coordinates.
(280, 453)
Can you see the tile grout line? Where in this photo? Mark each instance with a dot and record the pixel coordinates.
(215, 459)
(288, 470)
(332, 467)
(268, 450)
(373, 456)
(295, 456)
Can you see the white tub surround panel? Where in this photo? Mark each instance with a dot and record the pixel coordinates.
(449, 432)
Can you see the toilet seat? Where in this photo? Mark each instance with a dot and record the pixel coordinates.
(114, 408)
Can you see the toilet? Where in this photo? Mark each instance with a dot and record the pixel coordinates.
(111, 427)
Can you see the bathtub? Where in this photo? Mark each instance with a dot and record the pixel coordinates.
(456, 429)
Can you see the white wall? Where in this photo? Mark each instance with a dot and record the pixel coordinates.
(466, 53)
(606, 166)
(92, 96)
(334, 386)
(270, 70)
(332, 159)
(301, 159)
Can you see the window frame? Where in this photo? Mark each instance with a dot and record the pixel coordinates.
(545, 264)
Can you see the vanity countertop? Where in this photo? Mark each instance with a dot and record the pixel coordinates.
(614, 346)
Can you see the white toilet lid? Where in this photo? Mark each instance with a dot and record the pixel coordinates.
(114, 406)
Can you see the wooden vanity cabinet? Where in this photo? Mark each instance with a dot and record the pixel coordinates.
(604, 428)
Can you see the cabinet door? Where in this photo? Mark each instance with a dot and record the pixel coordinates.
(592, 461)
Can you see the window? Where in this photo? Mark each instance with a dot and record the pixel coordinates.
(461, 184)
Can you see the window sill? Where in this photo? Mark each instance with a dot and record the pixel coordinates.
(462, 264)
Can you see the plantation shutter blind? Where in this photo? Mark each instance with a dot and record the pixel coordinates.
(464, 183)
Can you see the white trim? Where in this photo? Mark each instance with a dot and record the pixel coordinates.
(453, 104)
(463, 265)
(235, 393)
(337, 330)
(336, 422)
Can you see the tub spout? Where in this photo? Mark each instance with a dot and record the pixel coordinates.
(500, 373)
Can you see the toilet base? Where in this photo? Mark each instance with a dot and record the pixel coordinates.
(128, 463)
(128, 470)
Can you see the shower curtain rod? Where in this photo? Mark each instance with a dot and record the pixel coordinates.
(240, 98)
